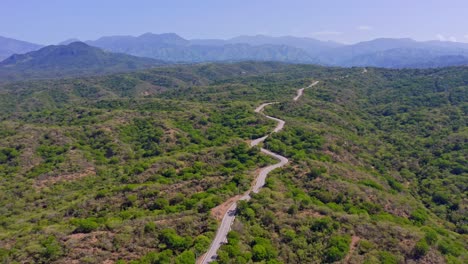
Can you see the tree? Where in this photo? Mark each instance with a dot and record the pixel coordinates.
(259, 253)
(186, 257)
(337, 249)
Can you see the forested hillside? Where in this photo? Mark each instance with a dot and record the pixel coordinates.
(127, 168)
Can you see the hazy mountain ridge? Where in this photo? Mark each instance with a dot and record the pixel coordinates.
(73, 59)
(9, 46)
(392, 53)
(171, 47)
(382, 52)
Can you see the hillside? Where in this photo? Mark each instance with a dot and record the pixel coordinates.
(74, 59)
(131, 167)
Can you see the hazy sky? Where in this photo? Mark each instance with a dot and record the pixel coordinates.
(51, 21)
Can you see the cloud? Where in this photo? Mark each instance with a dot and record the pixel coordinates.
(444, 38)
(441, 37)
(327, 33)
(364, 28)
(466, 36)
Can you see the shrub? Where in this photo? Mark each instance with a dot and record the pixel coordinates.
(263, 250)
(430, 235)
(169, 237)
(51, 249)
(365, 246)
(202, 243)
(419, 216)
(85, 225)
(372, 184)
(421, 248)
(449, 248)
(387, 258)
(259, 253)
(186, 257)
(150, 227)
(337, 249)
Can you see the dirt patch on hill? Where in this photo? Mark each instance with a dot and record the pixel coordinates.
(90, 171)
(219, 211)
(310, 213)
(352, 247)
(98, 246)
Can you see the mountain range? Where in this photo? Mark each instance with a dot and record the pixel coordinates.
(74, 59)
(170, 47)
(9, 46)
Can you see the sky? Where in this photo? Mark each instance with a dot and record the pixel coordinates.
(346, 21)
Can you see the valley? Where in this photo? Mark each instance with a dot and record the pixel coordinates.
(126, 167)
(233, 132)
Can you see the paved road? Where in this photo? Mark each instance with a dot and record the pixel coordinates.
(229, 217)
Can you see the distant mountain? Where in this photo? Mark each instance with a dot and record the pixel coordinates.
(68, 41)
(9, 46)
(171, 47)
(73, 59)
(310, 45)
(382, 52)
(442, 61)
(391, 53)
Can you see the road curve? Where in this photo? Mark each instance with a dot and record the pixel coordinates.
(301, 91)
(230, 215)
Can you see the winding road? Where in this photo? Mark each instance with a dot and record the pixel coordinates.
(229, 217)
(301, 91)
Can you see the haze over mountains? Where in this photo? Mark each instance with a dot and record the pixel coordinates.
(9, 46)
(74, 59)
(170, 47)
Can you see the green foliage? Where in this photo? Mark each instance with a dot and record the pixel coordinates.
(186, 257)
(421, 248)
(430, 235)
(295, 142)
(450, 248)
(173, 241)
(146, 135)
(85, 225)
(7, 155)
(372, 184)
(419, 216)
(386, 257)
(365, 246)
(338, 248)
(52, 249)
(259, 253)
(144, 157)
(150, 227)
(201, 244)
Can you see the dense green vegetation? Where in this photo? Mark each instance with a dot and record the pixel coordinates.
(379, 156)
(128, 167)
